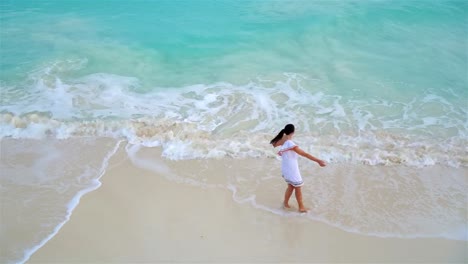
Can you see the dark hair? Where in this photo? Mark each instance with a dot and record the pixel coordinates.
(288, 129)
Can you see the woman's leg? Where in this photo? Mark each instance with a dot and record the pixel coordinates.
(298, 191)
(287, 195)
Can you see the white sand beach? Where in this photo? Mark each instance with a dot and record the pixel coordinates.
(139, 216)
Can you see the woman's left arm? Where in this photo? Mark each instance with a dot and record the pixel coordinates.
(307, 155)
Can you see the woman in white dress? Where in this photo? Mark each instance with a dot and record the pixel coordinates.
(289, 152)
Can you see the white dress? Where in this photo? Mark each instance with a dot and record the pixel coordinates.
(289, 165)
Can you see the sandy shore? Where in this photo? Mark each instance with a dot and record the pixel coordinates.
(140, 216)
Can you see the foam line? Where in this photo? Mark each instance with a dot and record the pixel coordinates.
(460, 234)
(72, 204)
(155, 166)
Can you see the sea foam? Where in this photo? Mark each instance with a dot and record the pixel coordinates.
(226, 120)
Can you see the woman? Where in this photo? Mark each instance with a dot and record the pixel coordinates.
(289, 152)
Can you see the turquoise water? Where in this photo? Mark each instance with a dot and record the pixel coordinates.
(344, 69)
(350, 44)
(367, 83)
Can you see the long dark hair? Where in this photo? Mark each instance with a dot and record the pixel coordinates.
(288, 129)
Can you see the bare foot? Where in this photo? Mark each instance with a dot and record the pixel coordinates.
(303, 210)
(285, 205)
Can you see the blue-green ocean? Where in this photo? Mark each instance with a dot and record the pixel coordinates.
(393, 71)
(366, 82)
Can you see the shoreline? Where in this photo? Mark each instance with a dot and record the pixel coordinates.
(141, 216)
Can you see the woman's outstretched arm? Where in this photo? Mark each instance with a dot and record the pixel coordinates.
(307, 155)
